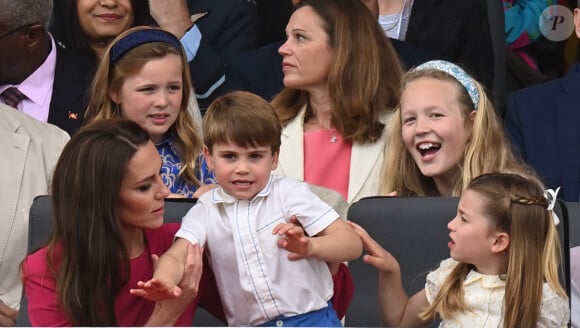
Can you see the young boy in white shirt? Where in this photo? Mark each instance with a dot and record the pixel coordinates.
(268, 270)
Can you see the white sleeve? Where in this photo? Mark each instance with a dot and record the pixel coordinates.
(194, 224)
(314, 214)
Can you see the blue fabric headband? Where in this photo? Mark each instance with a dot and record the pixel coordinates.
(138, 38)
(457, 73)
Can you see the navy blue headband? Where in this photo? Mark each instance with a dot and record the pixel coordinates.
(140, 37)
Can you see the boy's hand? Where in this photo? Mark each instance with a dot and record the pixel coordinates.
(8, 315)
(155, 290)
(293, 239)
(203, 189)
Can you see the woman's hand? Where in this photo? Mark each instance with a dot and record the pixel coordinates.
(376, 255)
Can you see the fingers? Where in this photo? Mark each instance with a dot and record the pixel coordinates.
(358, 229)
(294, 220)
(369, 244)
(277, 228)
(172, 195)
(171, 15)
(8, 315)
(203, 189)
(193, 268)
(150, 284)
(155, 259)
(288, 229)
(375, 261)
(376, 255)
(294, 226)
(392, 194)
(295, 256)
(155, 290)
(138, 292)
(6, 322)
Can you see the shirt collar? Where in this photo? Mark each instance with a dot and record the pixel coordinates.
(487, 281)
(35, 86)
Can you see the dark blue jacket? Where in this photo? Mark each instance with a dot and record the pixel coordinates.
(542, 124)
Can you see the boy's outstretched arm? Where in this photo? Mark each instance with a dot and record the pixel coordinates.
(336, 243)
(167, 275)
(167, 313)
(397, 309)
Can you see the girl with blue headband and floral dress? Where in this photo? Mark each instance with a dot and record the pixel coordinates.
(144, 77)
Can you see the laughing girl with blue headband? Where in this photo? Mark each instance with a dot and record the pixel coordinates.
(444, 133)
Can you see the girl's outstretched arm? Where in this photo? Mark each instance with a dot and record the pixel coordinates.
(397, 309)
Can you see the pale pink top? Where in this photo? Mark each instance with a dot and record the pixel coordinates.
(327, 160)
(37, 88)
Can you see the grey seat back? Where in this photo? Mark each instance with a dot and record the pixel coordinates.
(573, 209)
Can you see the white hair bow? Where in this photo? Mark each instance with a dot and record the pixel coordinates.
(551, 196)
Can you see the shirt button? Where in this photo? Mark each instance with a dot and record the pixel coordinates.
(279, 323)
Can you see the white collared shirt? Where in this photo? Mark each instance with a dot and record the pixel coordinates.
(257, 282)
